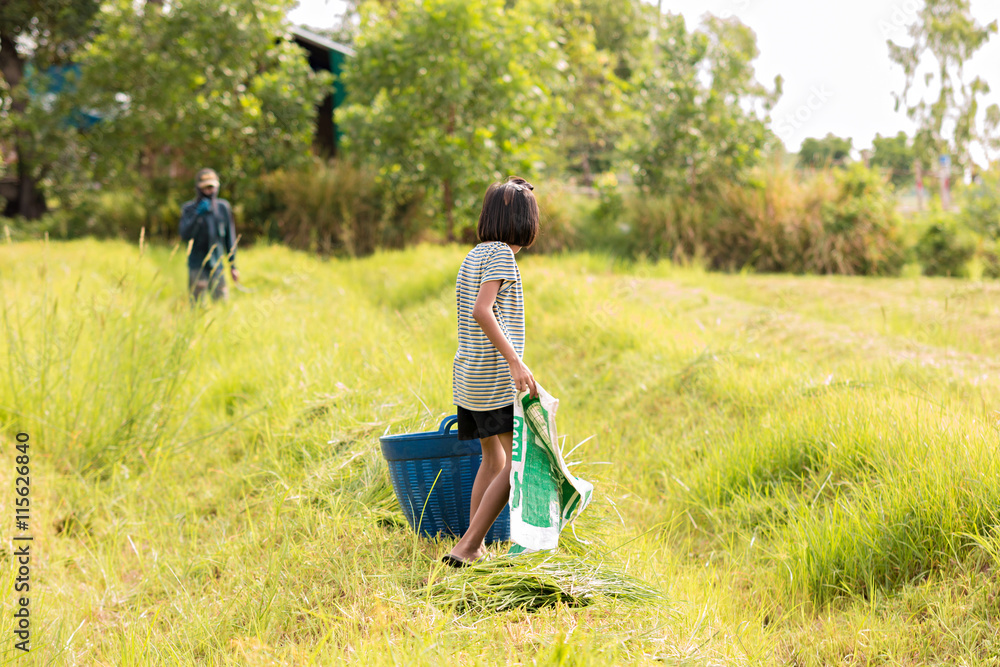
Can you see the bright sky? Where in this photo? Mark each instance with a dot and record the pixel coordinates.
(832, 56)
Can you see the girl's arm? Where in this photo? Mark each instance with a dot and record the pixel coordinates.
(482, 313)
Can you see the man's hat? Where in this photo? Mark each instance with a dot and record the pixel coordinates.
(207, 177)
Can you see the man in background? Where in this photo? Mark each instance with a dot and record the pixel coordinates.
(207, 225)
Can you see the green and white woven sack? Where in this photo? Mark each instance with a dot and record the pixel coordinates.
(544, 495)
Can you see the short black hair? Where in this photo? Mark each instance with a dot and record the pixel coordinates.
(510, 213)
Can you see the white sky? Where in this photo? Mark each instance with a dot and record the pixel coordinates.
(832, 56)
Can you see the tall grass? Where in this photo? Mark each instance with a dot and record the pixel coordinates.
(105, 367)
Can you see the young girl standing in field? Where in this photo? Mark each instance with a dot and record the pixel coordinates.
(488, 371)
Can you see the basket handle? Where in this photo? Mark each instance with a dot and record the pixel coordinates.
(447, 423)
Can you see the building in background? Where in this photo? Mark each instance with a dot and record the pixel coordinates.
(325, 54)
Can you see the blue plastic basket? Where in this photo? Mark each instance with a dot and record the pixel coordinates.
(432, 475)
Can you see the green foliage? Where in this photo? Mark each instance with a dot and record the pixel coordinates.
(446, 97)
(600, 45)
(178, 96)
(979, 204)
(840, 221)
(621, 29)
(561, 210)
(117, 213)
(340, 208)
(829, 151)
(114, 213)
(945, 247)
(947, 32)
(704, 113)
(962, 242)
(173, 95)
(860, 225)
(33, 37)
(896, 156)
(55, 27)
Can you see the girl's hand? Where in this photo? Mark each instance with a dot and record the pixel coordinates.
(523, 379)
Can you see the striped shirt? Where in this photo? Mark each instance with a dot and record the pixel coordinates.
(481, 376)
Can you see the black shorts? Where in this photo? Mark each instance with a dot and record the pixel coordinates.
(473, 424)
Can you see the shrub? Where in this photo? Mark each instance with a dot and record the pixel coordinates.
(557, 229)
(100, 213)
(944, 248)
(664, 227)
(20, 228)
(841, 221)
(605, 229)
(980, 205)
(835, 221)
(256, 211)
(769, 223)
(116, 213)
(860, 227)
(165, 219)
(340, 208)
(635, 225)
(988, 257)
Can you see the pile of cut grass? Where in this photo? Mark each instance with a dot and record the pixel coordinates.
(534, 581)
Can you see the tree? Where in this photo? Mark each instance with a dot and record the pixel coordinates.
(175, 92)
(597, 50)
(448, 94)
(621, 29)
(946, 31)
(829, 151)
(896, 155)
(704, 113)
(42, 34)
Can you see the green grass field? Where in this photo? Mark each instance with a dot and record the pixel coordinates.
(801, 470)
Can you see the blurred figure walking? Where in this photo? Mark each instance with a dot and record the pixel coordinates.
(207, 225)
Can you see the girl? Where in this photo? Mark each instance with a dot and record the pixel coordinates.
(488, 371)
